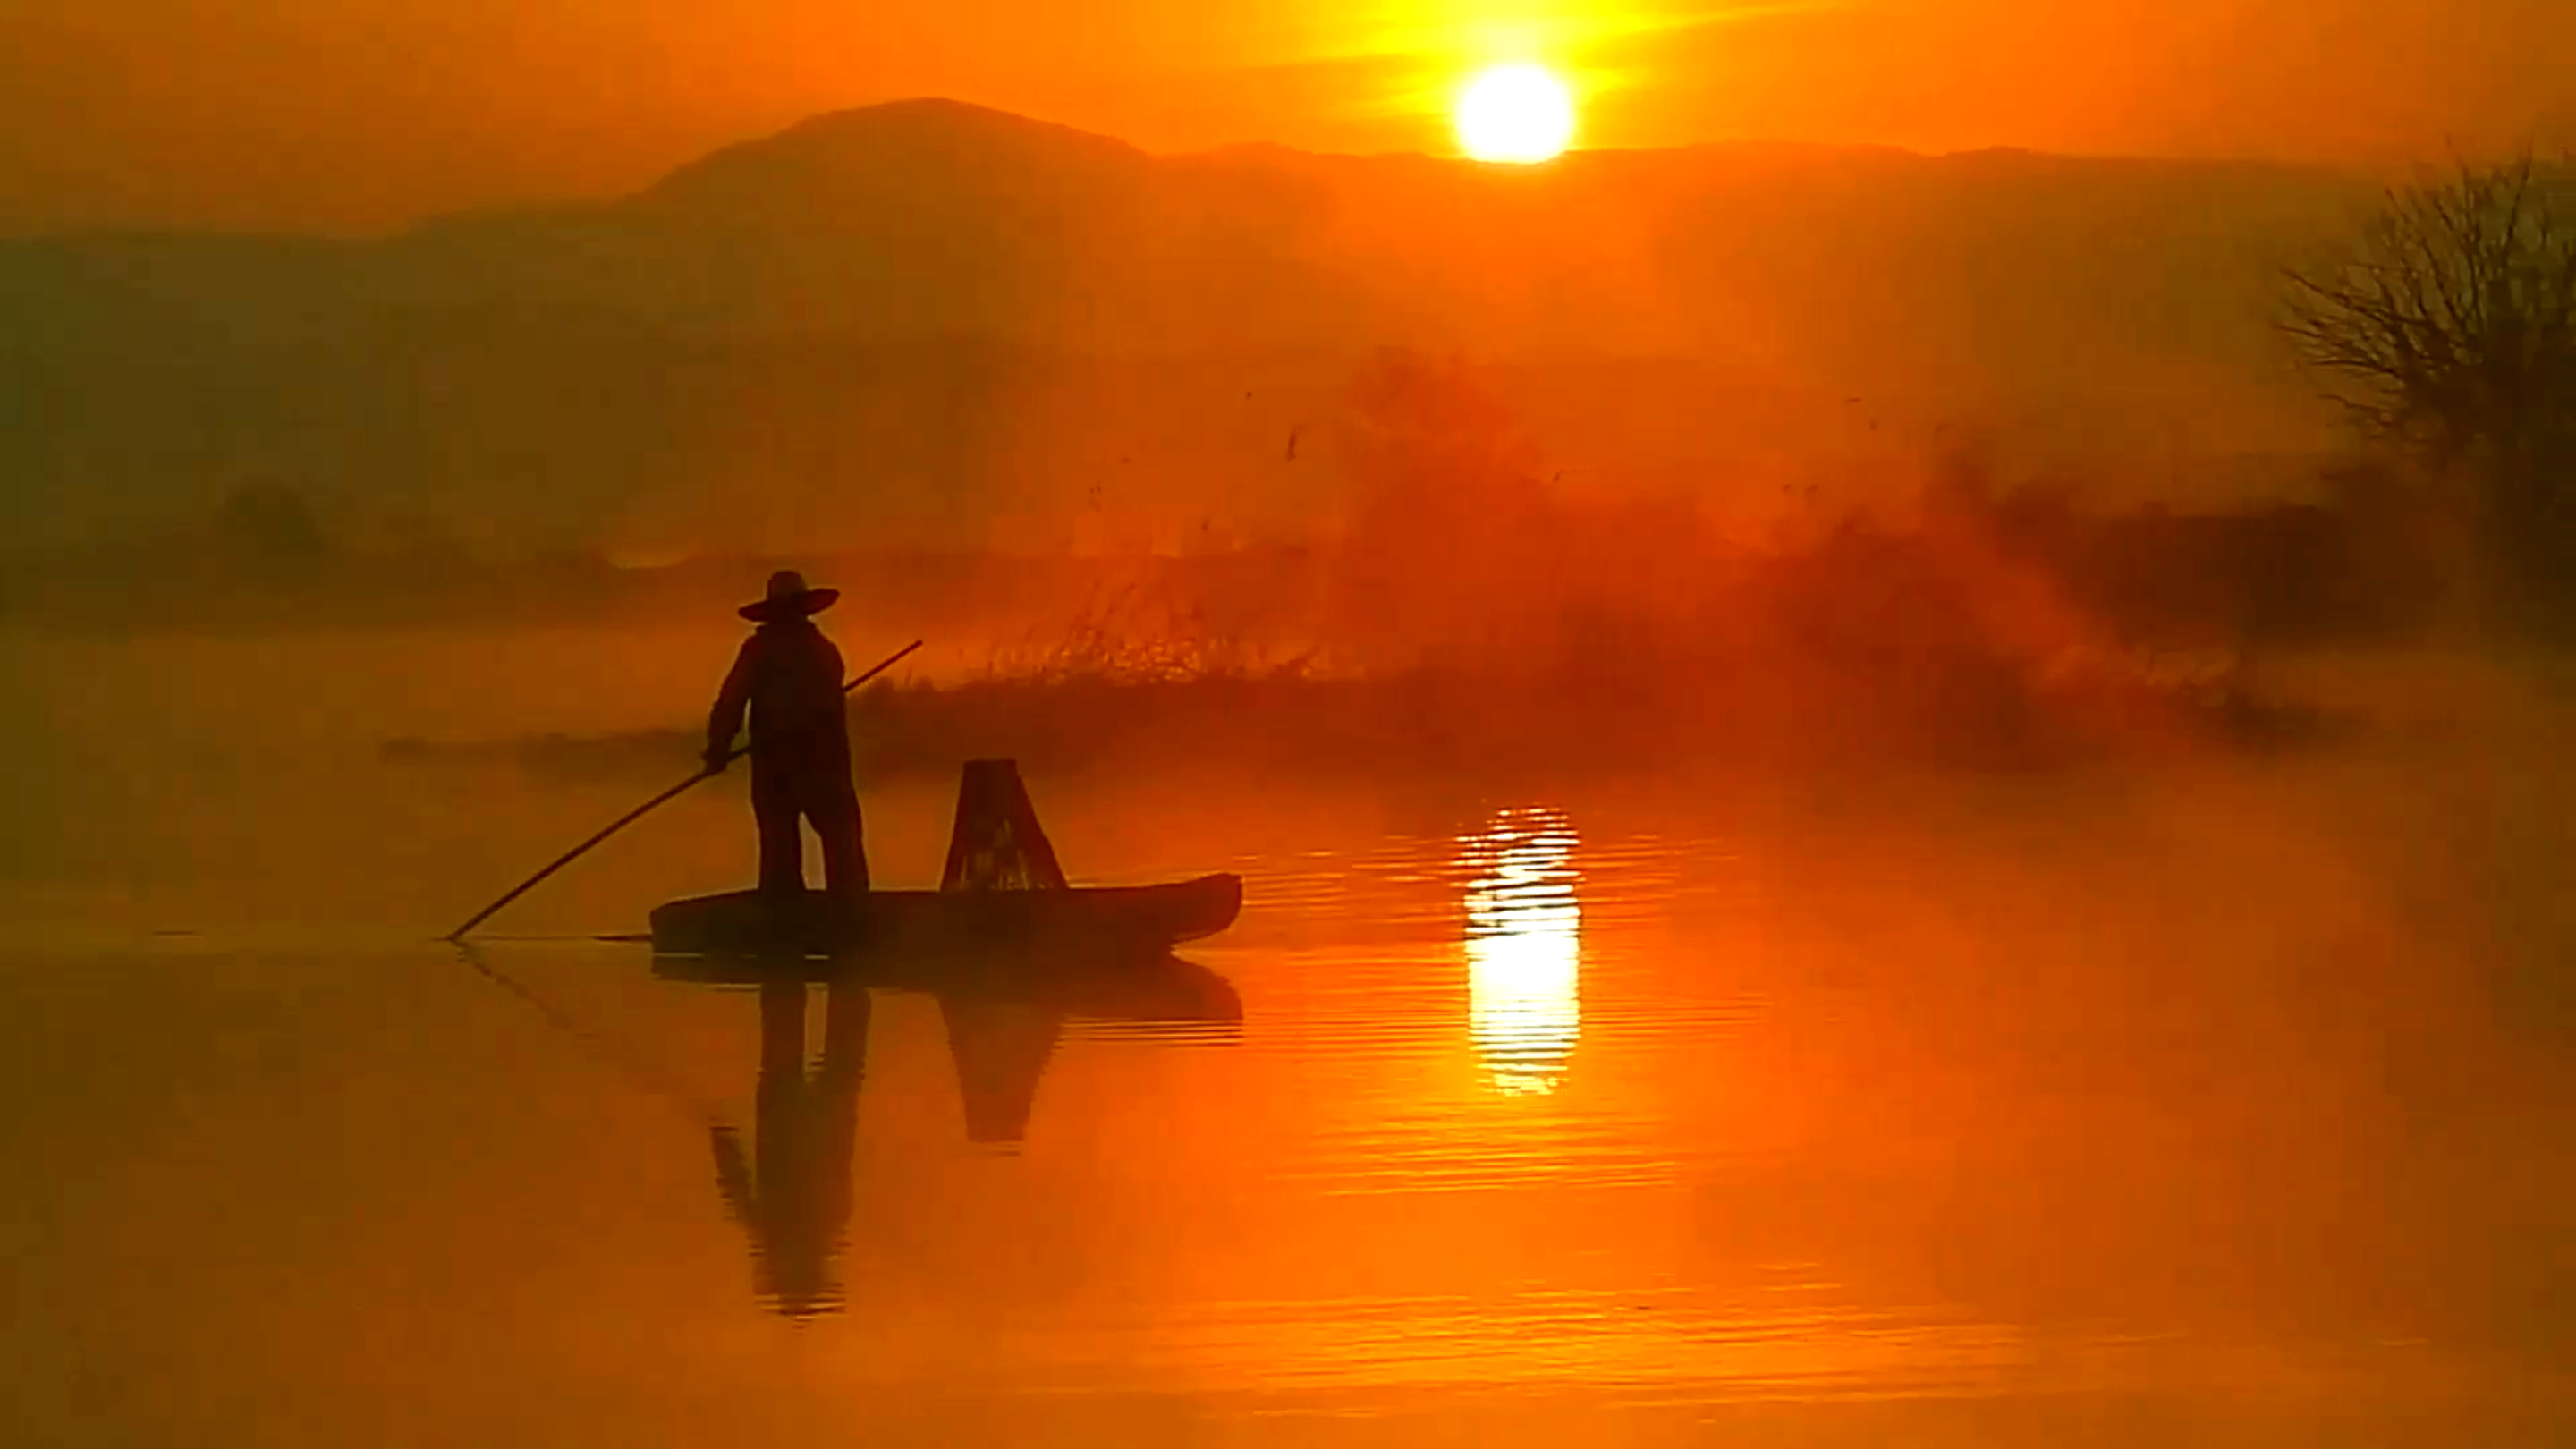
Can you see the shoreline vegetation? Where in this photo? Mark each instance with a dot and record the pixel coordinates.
(2005, 635)
(1430, 722)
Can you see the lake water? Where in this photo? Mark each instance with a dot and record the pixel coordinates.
(2220, 1105)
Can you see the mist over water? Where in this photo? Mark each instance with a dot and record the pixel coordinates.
(2206, 1097)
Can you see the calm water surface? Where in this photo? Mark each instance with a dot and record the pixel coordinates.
(2097, 1112)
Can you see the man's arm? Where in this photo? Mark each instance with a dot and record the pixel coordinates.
(725, 720)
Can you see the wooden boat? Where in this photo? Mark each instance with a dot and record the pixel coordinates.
(1102, 918)
(1002, 889)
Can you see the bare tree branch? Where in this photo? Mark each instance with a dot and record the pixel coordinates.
(2448, 327)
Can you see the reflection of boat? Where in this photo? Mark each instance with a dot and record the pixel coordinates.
(1002, 886)
(897, 922)
(999, 1047)
(1003, 1012)
(1146, 988)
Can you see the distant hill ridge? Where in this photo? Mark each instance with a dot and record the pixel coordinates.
(575, 359)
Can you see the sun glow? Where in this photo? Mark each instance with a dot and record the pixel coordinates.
(1519, 112)
(1524, 949)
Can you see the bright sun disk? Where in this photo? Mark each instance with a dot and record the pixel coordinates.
(1519, 112)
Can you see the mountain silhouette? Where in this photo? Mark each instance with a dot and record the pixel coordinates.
(942, 311)
(905, 153)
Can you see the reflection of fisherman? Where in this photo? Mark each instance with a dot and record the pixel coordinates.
(793, 1197)
(788, 678)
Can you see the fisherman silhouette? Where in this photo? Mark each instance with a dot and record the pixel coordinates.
(793, 1195)
(788, 679)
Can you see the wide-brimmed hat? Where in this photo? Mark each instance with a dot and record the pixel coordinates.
(790, 599)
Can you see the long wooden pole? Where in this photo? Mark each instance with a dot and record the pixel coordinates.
(647, 808)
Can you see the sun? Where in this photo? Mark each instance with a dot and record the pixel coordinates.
(1519, 112)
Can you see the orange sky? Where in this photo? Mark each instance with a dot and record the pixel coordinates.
(365, 113)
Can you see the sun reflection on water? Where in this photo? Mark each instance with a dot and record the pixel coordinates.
(1524, 948)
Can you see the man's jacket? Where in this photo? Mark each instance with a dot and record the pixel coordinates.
(788, 679)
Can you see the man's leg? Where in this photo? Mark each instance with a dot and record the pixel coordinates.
(834, 808)
(782, 850)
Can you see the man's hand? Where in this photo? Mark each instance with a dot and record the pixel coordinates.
(716, 758)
